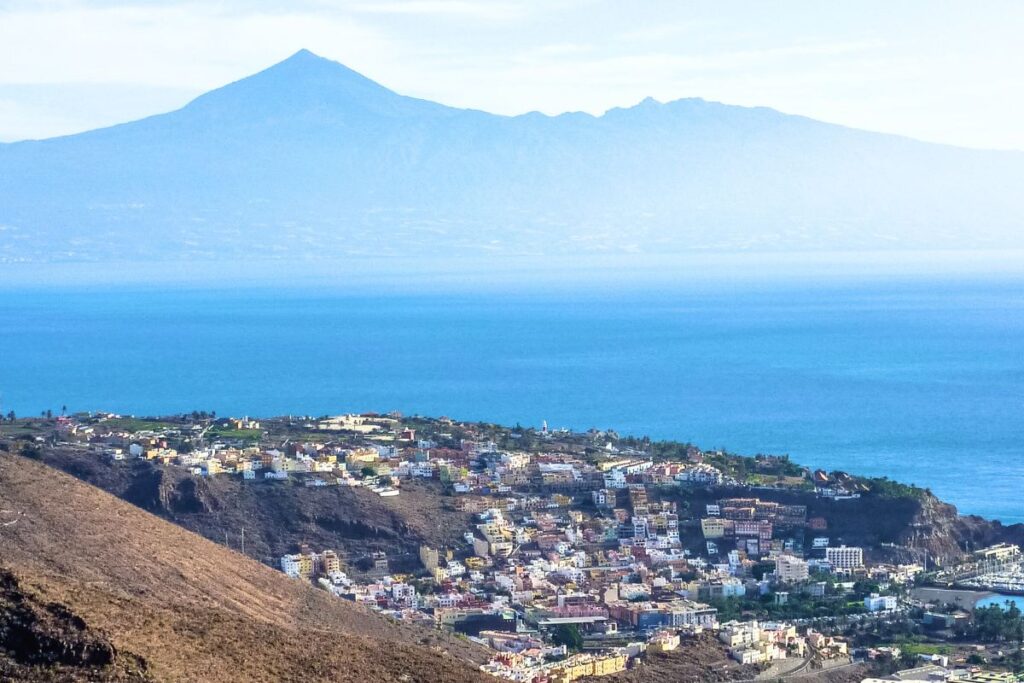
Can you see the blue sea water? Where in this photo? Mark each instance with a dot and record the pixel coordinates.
(1001, 600)
(922, 381)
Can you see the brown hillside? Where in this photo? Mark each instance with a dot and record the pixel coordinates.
(277, 516)
(46, 641)
(177, 607)
(702, 660)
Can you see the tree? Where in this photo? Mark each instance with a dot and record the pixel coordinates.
(570, 636)
(995, 623)
(369, 472)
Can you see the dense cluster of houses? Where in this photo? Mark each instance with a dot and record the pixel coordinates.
(377, 464)
(565, 541)
(561, 543)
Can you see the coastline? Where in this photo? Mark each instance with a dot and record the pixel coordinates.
(751, 371)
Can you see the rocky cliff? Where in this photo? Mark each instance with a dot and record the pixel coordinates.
(904, 528)
(276, 516)
(48, 641)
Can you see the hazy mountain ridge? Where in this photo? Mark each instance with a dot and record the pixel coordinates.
(309, 158)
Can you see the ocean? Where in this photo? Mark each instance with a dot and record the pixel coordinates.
(1001, 600)
(921, 380)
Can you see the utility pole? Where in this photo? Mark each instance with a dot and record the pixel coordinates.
(243, 540)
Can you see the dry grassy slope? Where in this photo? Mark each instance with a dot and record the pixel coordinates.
(701, 660)
(189, 608)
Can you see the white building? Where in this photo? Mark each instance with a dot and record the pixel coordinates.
(880, 603)
(292, 565)
(845, 557)
(615, 479)
(701, 474)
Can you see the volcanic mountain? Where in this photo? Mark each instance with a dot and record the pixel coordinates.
(309, 159)
(93, 588)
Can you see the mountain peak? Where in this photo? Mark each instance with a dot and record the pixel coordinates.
(305, 54)
(311, 65)
(306, 84)
(306, 59)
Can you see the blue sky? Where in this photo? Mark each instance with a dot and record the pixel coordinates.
(949, 72)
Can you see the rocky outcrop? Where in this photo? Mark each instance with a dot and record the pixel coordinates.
(185, 496)
(903, 528)
(48, 641)
(938, 529)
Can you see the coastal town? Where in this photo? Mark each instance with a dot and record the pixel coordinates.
(587, 554)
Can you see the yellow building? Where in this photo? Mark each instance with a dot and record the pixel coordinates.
(579, 666)
(299, 565)
(330, 562)
(610, 664)
(713, 527)
(663, 642)
(362, 456)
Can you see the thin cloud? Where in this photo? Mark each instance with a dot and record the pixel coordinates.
(661, 32)
(494, 11)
